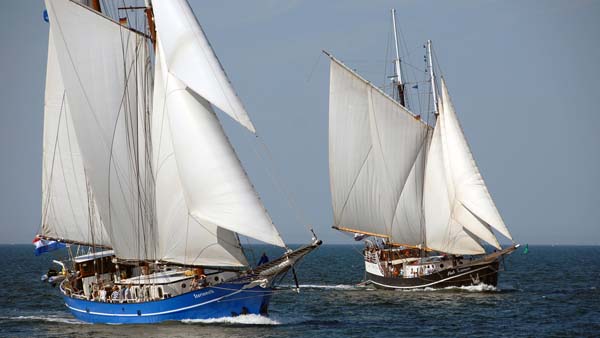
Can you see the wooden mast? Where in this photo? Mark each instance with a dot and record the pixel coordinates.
(151, 27)
(95, 5)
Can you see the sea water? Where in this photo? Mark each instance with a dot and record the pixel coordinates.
(551, 291)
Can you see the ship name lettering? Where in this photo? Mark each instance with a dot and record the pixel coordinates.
(202, 294)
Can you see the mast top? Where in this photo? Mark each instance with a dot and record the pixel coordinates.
(432, 77)
(397, 78)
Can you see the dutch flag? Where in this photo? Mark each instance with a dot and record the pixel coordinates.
(44, 245)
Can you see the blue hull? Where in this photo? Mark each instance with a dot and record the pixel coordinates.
(223, 300)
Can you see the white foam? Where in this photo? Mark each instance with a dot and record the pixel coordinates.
(324, 286)
(250, 319)
(470, 288)
(52, 319)
(479, 288)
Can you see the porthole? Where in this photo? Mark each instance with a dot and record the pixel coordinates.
(183, 285)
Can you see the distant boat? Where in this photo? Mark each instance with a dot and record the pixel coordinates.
(414, 188)
(139, 174)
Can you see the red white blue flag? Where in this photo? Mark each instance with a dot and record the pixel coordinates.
(45, 245)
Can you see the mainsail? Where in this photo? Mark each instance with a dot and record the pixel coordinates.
(69, 210)
(148, 154)
(101, 78)
(393, 176)
(374, 144)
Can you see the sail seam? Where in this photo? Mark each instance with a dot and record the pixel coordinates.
(354, 182)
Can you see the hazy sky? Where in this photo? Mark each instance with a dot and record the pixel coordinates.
(523, 76)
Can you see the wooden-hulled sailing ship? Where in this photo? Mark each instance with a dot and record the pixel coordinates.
(139, 175)
(412, 188)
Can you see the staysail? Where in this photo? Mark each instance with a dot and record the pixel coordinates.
(470, 205)
(182, 239)
(374, 144)
(190, 57)
(217, 190)
(67, 200)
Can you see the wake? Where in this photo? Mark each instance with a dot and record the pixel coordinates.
(323, 286)
(49, 318)
(250, 319)
(470, 288)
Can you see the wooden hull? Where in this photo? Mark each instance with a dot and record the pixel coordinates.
(484, 272)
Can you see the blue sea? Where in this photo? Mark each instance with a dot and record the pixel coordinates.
(549, 292)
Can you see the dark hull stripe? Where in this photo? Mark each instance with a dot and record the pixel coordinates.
(473, 274)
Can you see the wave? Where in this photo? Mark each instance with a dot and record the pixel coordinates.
(323, 286)
(250, 319)
(470, 288)
(49, 318)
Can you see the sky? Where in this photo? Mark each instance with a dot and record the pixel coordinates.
(523, 76)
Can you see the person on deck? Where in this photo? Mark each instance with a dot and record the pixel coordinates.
(194, 284)
(127, 293)
(102, 294)
(263, 259)
(114, 296)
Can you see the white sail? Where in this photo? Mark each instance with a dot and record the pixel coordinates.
(443, 233)
(100, 64)
(475, 208)
(409, 219)
(217, 190)
(66, 199)
(182, 239)
(190, 57)
(373, 145)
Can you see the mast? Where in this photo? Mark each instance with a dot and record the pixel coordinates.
(397, 79)
(432, 77)
(150, 18)
(95, 4)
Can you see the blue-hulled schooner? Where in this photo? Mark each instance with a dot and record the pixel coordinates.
(412, 187)
(139, 174)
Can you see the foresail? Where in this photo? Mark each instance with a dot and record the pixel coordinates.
(442, 232)
(67, 201)
(373, 145)
(409, 219)
(216, 188)
(101, 63)
(476, 209)
(190, 57)
(181, 238)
